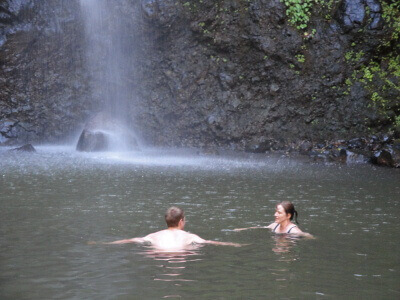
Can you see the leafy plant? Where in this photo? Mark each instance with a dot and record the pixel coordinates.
(391, 14)
(397, 121)
(300, 58)
(378, 78)
(299, 12)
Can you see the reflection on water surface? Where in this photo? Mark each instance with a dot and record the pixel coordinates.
(54, 201)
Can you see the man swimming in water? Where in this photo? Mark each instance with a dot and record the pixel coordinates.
(174, 238)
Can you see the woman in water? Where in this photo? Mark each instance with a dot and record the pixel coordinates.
(284, 214)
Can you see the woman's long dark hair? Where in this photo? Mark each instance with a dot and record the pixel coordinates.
(289, 209)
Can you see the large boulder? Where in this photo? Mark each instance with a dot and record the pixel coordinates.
(353, 13)
(90, 141)
(389, 157)
(102, 133)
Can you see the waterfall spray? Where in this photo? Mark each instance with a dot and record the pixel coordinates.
(109, 63)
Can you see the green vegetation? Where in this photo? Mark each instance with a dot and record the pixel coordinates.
(300, 58)
(380, 74)
(379, 79)
(299, 12)
(391, 15)
(397, 121)
(354, 57)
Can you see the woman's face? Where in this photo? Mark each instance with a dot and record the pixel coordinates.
(281, 215)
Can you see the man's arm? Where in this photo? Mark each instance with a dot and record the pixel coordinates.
(255, 227)
(223, 243)
(126, 241)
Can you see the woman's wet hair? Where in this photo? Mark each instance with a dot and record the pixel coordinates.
(173, 215)
(289, 209)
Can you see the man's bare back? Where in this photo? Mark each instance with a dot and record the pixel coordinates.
(174, 238)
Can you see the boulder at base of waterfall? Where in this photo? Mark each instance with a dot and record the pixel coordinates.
(90, 141)
(25, 148)
(103, 133)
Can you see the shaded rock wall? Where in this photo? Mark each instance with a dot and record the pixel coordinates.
(207, 73)
(42, 81)
(238, 73)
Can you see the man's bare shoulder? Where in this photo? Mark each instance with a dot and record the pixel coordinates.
(194, 238)
(156, 235)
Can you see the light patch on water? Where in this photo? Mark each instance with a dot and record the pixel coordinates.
(166, 159)
(63, 156)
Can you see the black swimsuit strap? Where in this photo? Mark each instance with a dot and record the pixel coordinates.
(287, 231)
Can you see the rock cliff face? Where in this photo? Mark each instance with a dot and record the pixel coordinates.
(240, 74)
(42, 92)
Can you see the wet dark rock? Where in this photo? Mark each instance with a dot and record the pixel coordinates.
(25, 148)
(103, 133)
(92, 141)
(356, 143)
(396, 144)
(260, 145)
(318, 156)
(384, 158)
(337, 155)
(305, 147)
(338, 152)
(353, 157)
(375, 15)
(149, 8)
(351, 13)
(386, 138)
(274, 87)
(6, 127)
(388, 157)
(382, 151)
(377, 21)
(162, 12)
(226, 80)
(374, 6)
(6, 16)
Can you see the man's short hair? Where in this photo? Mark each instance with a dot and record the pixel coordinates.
(173, 215)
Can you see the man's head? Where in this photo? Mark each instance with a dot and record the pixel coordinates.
(173, 217)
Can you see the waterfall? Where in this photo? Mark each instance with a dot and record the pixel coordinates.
(109, 62)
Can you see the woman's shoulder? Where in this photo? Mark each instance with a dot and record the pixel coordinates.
(294, 229)
(272, 225)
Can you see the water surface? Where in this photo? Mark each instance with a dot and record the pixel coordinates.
(54, 201)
